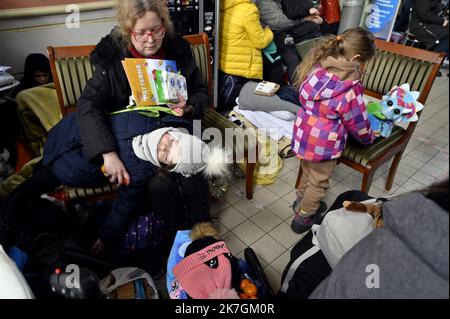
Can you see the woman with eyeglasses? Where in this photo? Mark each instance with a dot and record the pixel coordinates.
(144, 31)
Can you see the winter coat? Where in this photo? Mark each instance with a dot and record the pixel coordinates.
(66, 155)
(406, 258)
(272, 14)
(331, 108)
(331, 11)
(108, 89)
(241, 39)
(425, 22)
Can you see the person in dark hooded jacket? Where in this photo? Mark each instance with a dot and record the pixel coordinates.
(428, 26)
(36, 72)
(144, 31)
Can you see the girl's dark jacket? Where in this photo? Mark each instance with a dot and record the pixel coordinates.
(425, 22)
(108, 89)
(65, 154)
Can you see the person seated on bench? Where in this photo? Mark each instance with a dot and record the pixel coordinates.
(36, 72)
(428, 26)
(144, 31)
(144, 145)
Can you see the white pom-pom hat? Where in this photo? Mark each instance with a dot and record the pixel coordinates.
(195, 155)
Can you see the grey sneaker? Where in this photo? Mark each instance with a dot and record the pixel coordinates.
(301, 224)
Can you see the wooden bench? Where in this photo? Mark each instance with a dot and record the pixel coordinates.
(71, 69)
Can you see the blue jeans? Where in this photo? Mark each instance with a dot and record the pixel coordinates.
(229, 89)
(288, 93)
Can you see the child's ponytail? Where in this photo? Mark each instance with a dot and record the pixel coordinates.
(330, 46)
(352, 42)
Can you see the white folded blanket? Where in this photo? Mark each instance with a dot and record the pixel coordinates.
(275, 124)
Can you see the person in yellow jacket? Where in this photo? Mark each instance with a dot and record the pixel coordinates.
(242, 39)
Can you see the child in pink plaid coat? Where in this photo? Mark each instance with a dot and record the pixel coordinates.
(331, 95)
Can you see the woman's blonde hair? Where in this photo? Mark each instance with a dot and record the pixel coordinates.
(129, 11)
(355, 41)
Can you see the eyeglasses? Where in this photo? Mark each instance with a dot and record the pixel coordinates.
(157, 34)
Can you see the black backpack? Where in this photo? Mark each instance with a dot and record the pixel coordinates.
(308, 266)
(305, 271)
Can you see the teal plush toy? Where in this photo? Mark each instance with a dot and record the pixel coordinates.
(399, 105)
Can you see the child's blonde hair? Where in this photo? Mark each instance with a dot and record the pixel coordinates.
(355, 41)
(129, 11)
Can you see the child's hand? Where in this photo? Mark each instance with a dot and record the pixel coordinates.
(180, 105)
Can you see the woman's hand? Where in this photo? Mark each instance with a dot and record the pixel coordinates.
(314, 12)
(98, 248)
(114, 169)
(313, 18)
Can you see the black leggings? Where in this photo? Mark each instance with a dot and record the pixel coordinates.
(179, 201)
(15, 208)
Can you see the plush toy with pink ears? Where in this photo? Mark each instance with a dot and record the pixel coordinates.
(399, 105)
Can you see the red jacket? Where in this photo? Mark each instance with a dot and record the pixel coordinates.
(331, 11)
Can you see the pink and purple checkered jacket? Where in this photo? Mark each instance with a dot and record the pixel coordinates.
(331, 108)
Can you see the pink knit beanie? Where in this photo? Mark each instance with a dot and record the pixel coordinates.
(206, 273)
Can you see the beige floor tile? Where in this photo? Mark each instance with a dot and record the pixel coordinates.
(411, 161)
(352, 181)
(339, 189)
(290, 178)
(234, 194)
(217, 207)
(329, 198)
(280, 187)
(230, 217)
(266, 220)
(220, 227)
(234, 244)
(268, 248)
(292, 162)
(284, 234)
(406, 169)
(421, 156)
(340, 173)
(248, 232)
(399, 179)
(412, 185)
(424, 178)
(284, 170)
(264, 197)
(248, 207)
(439, 163)
(281, 209)
(280, 263)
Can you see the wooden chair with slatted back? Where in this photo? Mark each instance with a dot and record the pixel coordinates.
(242, 143)
(394, 64)
(71, 69)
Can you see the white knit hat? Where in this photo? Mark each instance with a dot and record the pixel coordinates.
(195, 155)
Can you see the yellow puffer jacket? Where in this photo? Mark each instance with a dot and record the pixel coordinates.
(241, 39)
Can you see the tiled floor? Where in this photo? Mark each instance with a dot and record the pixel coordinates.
(264, 222)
